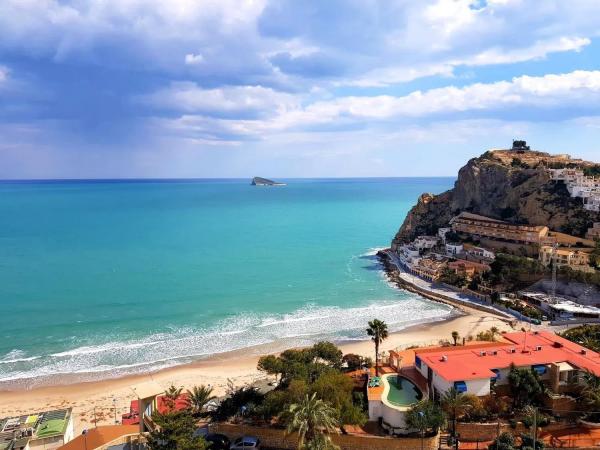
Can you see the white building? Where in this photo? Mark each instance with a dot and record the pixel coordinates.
(408, 254)
(474, 369)
(480, 252)
(425, 242)
(442, 232)
(454, 249)
(579, 185)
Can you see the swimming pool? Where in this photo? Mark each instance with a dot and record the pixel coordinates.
(402, 392)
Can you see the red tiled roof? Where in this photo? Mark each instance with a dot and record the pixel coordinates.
(467, 363)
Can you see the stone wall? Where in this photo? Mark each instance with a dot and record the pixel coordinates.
(277, 438)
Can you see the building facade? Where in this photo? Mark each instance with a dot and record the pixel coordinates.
(576, 259)
(481, 226)
(476, 369)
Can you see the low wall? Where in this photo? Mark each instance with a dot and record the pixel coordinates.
(277, 438)
(482, 432)
(391, 265)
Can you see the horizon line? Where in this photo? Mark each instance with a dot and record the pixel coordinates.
(12, 180)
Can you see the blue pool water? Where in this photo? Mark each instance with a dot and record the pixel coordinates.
(101, 279)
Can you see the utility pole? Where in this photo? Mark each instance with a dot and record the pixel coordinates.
(554, 259)
(534, 426)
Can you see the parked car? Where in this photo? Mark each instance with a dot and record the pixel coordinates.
(218, 441)
(246, 443)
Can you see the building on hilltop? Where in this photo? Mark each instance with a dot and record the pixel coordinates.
(579, 185)
(575, 258)
(481, 226)
(520, 145)
(44, 430)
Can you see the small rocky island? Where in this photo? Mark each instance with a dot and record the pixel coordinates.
(258, 181)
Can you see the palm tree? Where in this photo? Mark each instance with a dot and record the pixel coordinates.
(456, 405)
(455, 337)
(378, 331)
(198, 397)
(494, 331)
(312, 418)
(171, 396)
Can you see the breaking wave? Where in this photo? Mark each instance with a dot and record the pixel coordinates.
(301, 327)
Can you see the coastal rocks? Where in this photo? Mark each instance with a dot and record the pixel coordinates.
(513, 191)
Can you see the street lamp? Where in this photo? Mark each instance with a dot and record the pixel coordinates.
(84, 433)
(422, 416)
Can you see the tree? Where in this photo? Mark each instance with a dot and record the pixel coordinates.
(505, 441)
(175, 431)
(245, 397)
(595, 256)
(425, 416)
(336, 389)
(198, 397)
(378, 331)
(590, 395)
(352, 361)
(494, 331)
(270, 364)
(456, 405)
(455, 337)
(171, 396)
(526, 386)
(312, 418)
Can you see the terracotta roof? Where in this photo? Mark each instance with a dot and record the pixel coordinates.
(97, 437)
(468, 363)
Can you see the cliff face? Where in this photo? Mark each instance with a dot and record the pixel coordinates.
(503, 185)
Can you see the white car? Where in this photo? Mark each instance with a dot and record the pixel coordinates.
(246, 443)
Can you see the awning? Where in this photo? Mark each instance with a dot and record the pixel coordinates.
(460, 386)
(540, 369)
(564, 366)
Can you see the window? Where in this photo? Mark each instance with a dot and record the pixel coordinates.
(418, 362)
(460, 386)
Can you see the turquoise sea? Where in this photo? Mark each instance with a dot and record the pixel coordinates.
(104, 278)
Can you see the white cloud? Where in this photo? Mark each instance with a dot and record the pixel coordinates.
(578, 88)
(192, 59)
(495, 55)
(189, 97)
(3, 74)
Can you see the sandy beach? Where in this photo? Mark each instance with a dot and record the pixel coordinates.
(95, 402)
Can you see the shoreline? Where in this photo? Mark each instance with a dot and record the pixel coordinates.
(97, 402)
(93, 403)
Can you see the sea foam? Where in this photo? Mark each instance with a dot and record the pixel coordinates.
(157, 351)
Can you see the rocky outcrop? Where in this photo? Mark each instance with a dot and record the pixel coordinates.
(514, 186)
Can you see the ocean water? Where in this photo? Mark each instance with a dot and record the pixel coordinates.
(105, 278)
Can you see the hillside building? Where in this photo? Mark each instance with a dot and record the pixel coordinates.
(481, 226)
(575, 258)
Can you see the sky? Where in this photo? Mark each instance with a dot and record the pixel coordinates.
(224, 88)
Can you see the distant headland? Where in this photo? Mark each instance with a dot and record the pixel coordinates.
(258, 181)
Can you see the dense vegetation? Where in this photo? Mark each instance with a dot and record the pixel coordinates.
(585, 335)
(514, 272)
(315, 371)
